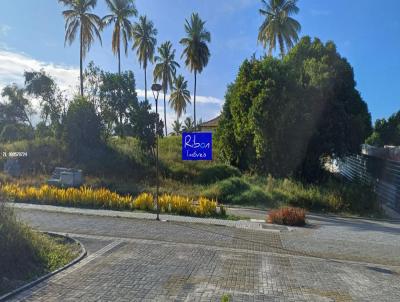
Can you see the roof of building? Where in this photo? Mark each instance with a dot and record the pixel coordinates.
(211, 123)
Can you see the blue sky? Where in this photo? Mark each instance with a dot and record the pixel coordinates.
(32, 37)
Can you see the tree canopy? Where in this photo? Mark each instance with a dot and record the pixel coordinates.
(283, 116)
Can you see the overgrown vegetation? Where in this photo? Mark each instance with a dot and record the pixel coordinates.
(25, 254)
(282, 116)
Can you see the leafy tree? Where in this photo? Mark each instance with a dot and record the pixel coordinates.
(196, 50)
(144, 41)
(165, 71)
(83, 129)
(42, 86)
(283, 116)
(78, 17)
(386, 132)
(118, 98)
(180, 96)
(15, 132)
(177, 127)
(142, 123)
(121, 11)
(18, 109)
(93, 77)
(278, 25)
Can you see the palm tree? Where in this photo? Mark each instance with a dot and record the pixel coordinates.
(165, 71)
(144, 41)
(196, 50)
(188, 125)
(121, 11)
(177, 127)
(180, 96)
(79, 17)
(278, 25)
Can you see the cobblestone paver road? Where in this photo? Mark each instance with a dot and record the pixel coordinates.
(142, 260)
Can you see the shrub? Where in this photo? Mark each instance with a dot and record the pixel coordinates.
(287, 216)
(144, 202)
(238, 191)
(228, 189)
(215, 173)
(104, 198)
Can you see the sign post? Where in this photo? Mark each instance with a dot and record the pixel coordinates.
(196, 146)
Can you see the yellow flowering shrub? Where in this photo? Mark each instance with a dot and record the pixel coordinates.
(144, 201)
(206, 207)
(83, 196)
(104, 198)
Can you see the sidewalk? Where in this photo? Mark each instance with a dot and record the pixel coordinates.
(244, 224)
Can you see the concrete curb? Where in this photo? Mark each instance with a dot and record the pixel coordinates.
(47, 276)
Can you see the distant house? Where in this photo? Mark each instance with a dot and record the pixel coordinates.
(210, 125)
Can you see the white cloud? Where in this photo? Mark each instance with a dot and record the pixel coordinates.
(4, 30)
(199, 98)
(13, 65)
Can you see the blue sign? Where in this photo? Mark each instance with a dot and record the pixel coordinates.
(197, 146)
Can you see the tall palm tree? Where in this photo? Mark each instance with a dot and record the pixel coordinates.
(278, 25)
(121, 11)
(196, 50)
(165, 71)
(180, 96)
(78, 16)
(144, 41)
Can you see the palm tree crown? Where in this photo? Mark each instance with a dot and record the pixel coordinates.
(278, 26)
(165, 71)
(144, 41)
(121, 11)
(196, 50)
(79, 18)
(180, 96)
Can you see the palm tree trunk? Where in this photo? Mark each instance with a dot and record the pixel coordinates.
(194, 99)
(81, 61)
(145, 84)
(119, 60)
(281, 46)
(165, 113)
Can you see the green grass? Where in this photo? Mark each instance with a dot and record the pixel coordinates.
(133, 172)
(26, 255)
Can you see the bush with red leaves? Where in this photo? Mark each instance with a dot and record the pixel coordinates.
(287, 216)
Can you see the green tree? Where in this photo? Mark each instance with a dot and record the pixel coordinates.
(92, 76)
(78, 17)
(196, 50)
(121, 11)
(142, 123)
(180, 96)
(278, 25)
(144, 41)
(41, 86)
(386, 132)
(18, 109)
(283, 116)
(165, 71)
(83, 129)
(118, 98)
(177, 127)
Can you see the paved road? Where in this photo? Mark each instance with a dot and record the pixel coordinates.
(142, 260)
